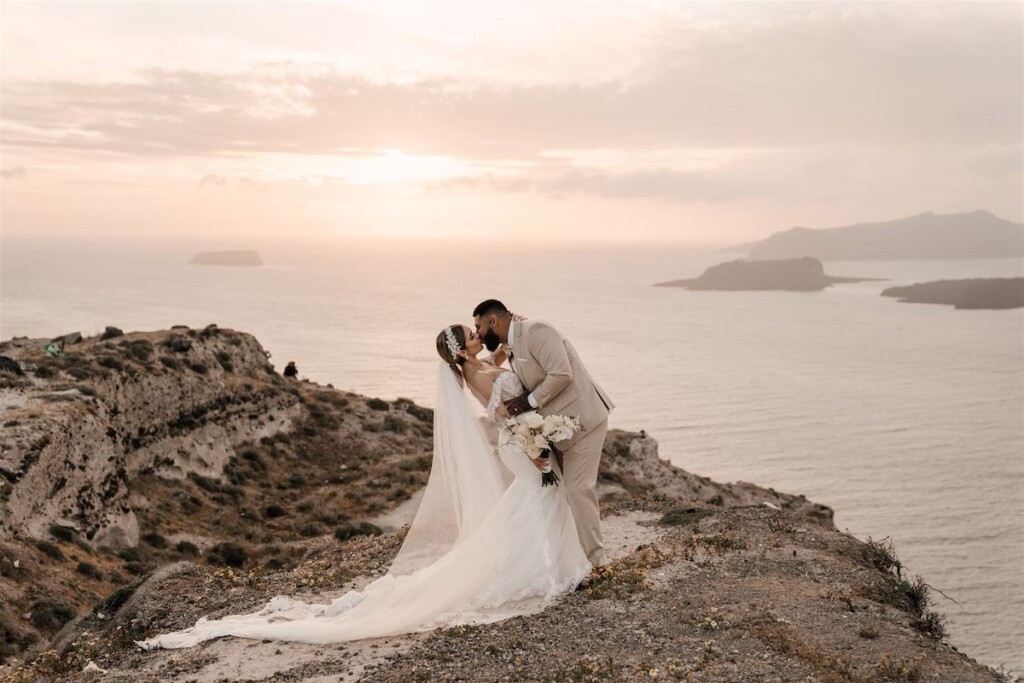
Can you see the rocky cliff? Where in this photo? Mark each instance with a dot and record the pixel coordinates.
(152, 478)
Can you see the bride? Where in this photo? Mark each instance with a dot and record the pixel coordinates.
(477, 551)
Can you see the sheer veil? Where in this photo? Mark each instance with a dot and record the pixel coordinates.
(466, 480)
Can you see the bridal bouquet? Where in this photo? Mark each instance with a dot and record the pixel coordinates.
(535, 434)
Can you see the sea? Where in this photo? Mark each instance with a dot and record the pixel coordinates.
(906, 419)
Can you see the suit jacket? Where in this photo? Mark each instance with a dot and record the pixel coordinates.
(552, 371)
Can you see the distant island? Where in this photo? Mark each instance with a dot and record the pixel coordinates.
(241, 257)
(795, 275)
(992, 293)
(977, 234)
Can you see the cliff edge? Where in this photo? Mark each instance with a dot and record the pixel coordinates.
(156, 477)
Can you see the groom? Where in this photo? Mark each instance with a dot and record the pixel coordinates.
(556, 384)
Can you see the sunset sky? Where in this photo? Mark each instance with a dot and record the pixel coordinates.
(702, 123)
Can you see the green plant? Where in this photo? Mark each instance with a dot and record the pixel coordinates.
(186, 548)
(154, 539)
(89, 569)
(111, 362)
(227, 553)
(50, 550)
(50, 615)
(377, 404)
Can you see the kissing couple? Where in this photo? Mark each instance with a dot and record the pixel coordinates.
(489, 540)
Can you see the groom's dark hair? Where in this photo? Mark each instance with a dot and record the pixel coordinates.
(488, 307)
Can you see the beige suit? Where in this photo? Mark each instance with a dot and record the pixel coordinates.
(553, 373)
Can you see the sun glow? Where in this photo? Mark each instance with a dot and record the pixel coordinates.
(395, 166)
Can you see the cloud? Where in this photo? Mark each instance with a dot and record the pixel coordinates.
(14, 173)
(657, 184)
(813, 75)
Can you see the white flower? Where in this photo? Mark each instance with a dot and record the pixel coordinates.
(540, 441)
(534, 451)
(533, 420)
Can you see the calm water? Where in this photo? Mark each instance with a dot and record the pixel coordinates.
(907, 419)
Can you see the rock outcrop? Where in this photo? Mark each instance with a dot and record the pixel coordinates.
(175, 403)
(797, 275)
(992, 293)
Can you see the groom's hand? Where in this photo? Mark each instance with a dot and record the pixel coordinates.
(518, 405)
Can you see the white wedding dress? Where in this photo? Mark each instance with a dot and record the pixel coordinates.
(477, 552)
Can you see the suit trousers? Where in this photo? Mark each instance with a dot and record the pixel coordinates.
(580, 462)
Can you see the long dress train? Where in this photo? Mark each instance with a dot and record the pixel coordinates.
(476, 552)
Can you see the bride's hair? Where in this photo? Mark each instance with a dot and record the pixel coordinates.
(443, 350)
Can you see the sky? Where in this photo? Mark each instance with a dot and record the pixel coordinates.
(577, 121)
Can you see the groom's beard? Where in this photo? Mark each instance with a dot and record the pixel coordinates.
(491, 340)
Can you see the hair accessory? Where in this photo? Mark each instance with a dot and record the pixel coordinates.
(453, 343)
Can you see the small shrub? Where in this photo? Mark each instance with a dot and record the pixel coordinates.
(62, 533)
(191, 505)
(881, 555)
(311, 530)
(177, 343)
(343, 533)
(394, 424)
(51, 615)
(12, 640)
(420, 413)
(377, 404)
(931, 624)
(274, 511)
(139, 349)
(131, 554)
(296, 480)
(199, 368)
(170, 361)
(81, 372)
(89, 569)
(45, 371)
(138, 568)
(186, 548)
(205, 483)
(868, 633)
(154, 539)
(227, 553)
(116, 600)
(50, 550)
(110, 362)
(254, 460)
(898, 670)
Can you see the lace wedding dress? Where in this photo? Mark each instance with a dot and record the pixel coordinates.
(477, 552)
